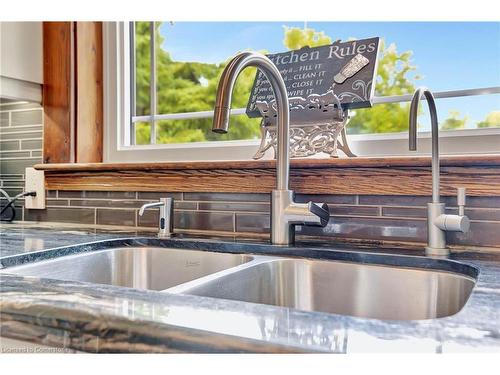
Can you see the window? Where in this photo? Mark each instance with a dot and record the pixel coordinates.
(172, 72)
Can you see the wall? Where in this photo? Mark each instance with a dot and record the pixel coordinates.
(389, 218)
(21, 132)
(21, 51)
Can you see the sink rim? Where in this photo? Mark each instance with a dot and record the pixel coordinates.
(325, 254)
(250, 248)
(254, 249)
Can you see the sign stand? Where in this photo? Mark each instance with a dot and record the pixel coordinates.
(317, 125)
(323, 83)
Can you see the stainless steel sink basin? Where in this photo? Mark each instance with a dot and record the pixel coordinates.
(369, 291)
(348, 288)
(141, 268)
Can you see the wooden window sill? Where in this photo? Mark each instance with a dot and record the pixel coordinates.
(480, 174)
(358, 162)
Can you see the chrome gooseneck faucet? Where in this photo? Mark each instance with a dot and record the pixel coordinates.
(285, 213)
(438, 223)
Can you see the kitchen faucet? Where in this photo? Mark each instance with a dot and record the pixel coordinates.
(165, 217)
(438, 223)
(285, 213)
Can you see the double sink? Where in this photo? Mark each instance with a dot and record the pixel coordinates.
(368, 290)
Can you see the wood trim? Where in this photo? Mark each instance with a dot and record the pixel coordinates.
(368, 162)
(371, 176)
(62, 67)
(57, 92)
(89, 92)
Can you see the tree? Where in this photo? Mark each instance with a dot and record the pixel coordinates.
(453, 122)
(296, 38)
(492, 120)
(185, 87)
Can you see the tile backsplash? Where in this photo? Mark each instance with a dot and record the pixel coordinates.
(369, 217)
(21, 134)
(390, 218)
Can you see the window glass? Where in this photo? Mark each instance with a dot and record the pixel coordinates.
(467, 112)
(440, 55)
(142, 69)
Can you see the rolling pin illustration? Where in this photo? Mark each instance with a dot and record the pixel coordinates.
(357, 63)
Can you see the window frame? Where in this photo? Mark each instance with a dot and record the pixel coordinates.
(119, 120)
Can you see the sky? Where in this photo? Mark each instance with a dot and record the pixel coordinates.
(448, 55)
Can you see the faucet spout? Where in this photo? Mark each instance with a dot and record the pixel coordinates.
(285, 213)
(223, 105)
(150, 205)
(414, 106)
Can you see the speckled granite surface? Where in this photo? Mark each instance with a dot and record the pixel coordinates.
(24, 238)
(104, 318)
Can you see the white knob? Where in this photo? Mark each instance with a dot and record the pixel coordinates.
(453, 223)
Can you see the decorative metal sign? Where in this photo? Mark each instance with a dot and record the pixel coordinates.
(322, 84)
(347, 68)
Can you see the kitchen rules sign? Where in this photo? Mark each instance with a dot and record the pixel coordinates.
(347, 68)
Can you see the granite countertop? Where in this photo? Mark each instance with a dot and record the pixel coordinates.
(105, 318)
(18, 238)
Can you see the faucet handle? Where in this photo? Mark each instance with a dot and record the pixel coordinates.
(455, 223)
(322, 211)
(461, 196)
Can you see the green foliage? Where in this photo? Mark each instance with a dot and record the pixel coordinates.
(142, 68)
(296, 38)
(453, 122)
(492, 120)
(185, 87)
